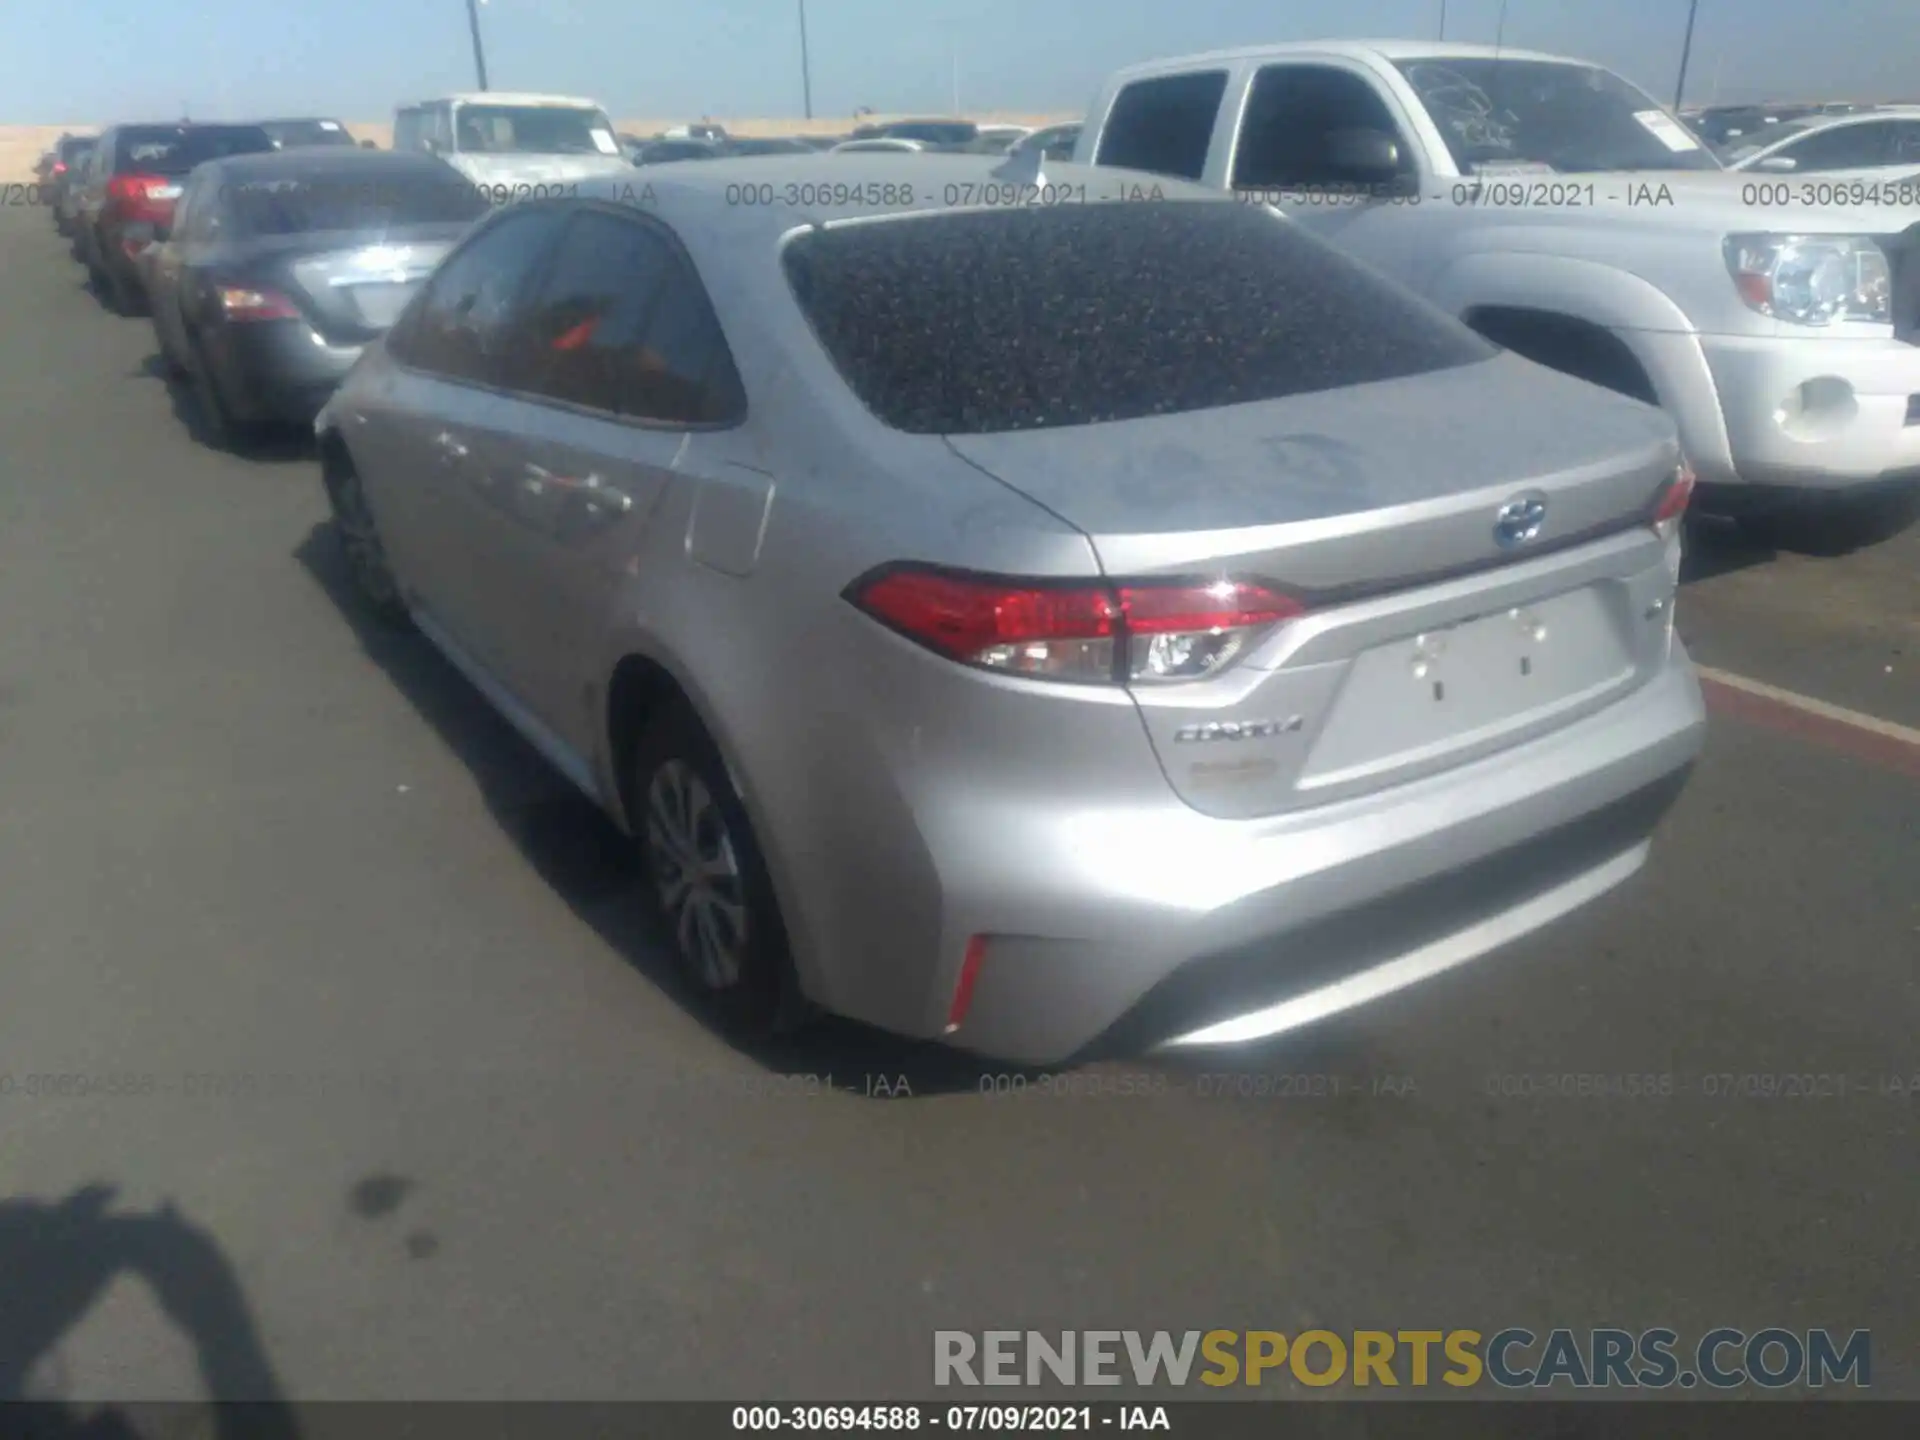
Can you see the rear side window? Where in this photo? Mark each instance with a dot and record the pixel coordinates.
(622, 324)
(1163, 125)
(426, 194)
(979, 322)
(461, 324)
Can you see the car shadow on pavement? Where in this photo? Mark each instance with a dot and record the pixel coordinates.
(60, 1257)
(1717, 547)
(282, 446)
(593, 867)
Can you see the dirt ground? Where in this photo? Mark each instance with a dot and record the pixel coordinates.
(22, 145)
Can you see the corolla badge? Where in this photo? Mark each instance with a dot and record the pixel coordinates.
(1520, 519)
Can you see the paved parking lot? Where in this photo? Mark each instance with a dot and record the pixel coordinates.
(480, 1148)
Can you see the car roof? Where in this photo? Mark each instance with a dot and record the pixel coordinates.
(1390, 50)
(291, 164)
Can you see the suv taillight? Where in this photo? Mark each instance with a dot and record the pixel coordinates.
(1130, 632)
(141, 197)
(237, 303)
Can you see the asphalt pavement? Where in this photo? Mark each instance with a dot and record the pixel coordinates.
(358, 992)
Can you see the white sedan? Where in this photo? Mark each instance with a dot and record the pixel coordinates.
(1867, 145)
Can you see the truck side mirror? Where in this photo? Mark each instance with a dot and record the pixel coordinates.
(369, 145)
(1371, 158)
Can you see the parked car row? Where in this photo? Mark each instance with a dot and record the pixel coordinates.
(1234, 637)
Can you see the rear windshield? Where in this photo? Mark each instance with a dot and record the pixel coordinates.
(934, 132)
(1029, 318)
(292, 134)
(344, 200)
(176, 149)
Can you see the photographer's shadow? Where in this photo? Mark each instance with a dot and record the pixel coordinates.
(59, 1257)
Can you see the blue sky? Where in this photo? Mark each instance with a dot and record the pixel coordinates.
(102, 60)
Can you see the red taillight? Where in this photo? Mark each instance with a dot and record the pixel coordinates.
(59, 167)
(141, 197)
(1138, 631)
(240, 304)
(1675, 498)
(963, 987)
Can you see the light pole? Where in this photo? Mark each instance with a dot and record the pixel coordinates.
(806, 71)
(1443, 19)
(479, 54)
(1686, 53)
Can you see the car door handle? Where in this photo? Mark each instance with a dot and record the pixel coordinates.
(593, 491)
(449, 448)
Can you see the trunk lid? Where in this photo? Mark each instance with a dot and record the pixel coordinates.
(1428, 638)
(351, 284)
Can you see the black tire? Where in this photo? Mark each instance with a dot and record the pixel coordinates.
(129, 298)
(361, 547)
(758, 995)
(219, 429)
(1833, 527)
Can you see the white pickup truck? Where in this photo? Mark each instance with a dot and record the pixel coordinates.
(1567, 216)
(516, 146)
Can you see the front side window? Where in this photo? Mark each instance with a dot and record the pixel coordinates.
(1296, 119)
(460, 324)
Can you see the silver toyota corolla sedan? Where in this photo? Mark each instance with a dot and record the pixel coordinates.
(1031, 617)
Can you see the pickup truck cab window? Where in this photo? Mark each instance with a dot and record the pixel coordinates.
(1164, 126)
(1295, 121)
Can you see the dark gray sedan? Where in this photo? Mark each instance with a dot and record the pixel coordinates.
(279, 268)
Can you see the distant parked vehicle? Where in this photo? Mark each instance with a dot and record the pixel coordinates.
(1054, 142)
(278, 268)
(929, 132)
(1828, 144)
(665, 152)
(130, 187)
(880, 143)
(69, 153)
(998, 139)
(298, 134)
(771, 145)
(513, 142)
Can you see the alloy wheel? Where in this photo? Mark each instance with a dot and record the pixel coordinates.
(696, 874)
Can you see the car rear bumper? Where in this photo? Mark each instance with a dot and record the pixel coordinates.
(1810, 414)
(1158, 922)
(278, 371)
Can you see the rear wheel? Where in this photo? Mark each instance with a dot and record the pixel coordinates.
(127, 295)
(218, 426)
(1833, 525)
(705, 878)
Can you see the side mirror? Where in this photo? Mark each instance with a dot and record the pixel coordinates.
(369, 145)
(431, 146)
(1371, 157)
(1778, 165)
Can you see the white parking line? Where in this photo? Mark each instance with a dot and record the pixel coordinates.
(1806, 704)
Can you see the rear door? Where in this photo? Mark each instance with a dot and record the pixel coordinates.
(627, 382)
(417, 423)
